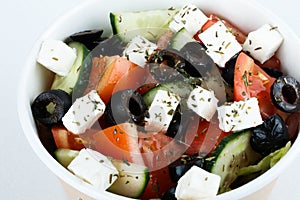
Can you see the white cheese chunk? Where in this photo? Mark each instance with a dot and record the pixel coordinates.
(239, 115)
(263, 42)
(161, 111)
(197, 184)
(57, 56)
(203, 102)
(138, 50)
(84, 113)
(220, 42)
(189, 17)
(94, 168)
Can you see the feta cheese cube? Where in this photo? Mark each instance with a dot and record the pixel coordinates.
(189, 17)
(94, 168)
(161, 111)
(263, 42)
(203, 102)
(239, 115)
(197, 184)
(84, 113)
(56, 56)
(220, 42)
(138, 50)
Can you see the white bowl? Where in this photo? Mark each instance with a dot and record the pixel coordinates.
(247, 15)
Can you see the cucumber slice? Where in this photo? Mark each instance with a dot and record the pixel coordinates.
(149, 24)
(181, 88)
(180, 39)
(132, 179)
(68, 82)
(84, 74)
(233, 153)
(65, 156)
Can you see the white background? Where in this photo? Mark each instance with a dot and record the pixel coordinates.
(22, 175)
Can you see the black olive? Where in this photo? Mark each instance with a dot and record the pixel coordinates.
(50, 106)
(269, 136)
(228, 71)
(179, 167)
(293, 124)
(285, 93)
(175, 125)
(273, 72)
(90, 38)
(164, 65)
(198, 63)
(110, 47)
(125, 106)
(179, 123)
(170, 194)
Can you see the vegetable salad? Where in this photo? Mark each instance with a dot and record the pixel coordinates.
(176, 104)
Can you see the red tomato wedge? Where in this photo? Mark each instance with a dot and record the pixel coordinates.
(119, 142)
(158, 184)
(159, 150)
(133, 79)
(66, 139)
(98, 67)
(251, 81)
(207, 137)
(118, 68)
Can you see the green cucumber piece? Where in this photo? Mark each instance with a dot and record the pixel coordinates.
(180, 38)
(65, 156)
(181, 88)
(233, 152)
(132, 179)
(68, 82)
(149, 24)
(84, 75)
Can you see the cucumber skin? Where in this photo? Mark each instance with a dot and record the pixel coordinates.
(84, 75)
(210, 164)
(113, 26)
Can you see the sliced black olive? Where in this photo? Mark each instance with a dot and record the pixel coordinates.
(198, 63)
(269, 136)
(179, 167)
(90, 38)
(125, 106)
(273, 72)
(228, 71)
(49, 107)
(163, 65)
(293, 125)
(285, 93)
(179, 123)
(110, 47)
(170, 194)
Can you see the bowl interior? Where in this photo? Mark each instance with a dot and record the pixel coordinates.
(94, 14)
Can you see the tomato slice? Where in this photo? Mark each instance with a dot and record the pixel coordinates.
(159, 150)
(252, 81)
(139, 79)
(111, 75)
(66, 139)
(99, 65)
(158, 184)
(207, 137)
(119, 142)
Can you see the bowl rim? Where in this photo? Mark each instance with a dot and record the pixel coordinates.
(85, 188)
